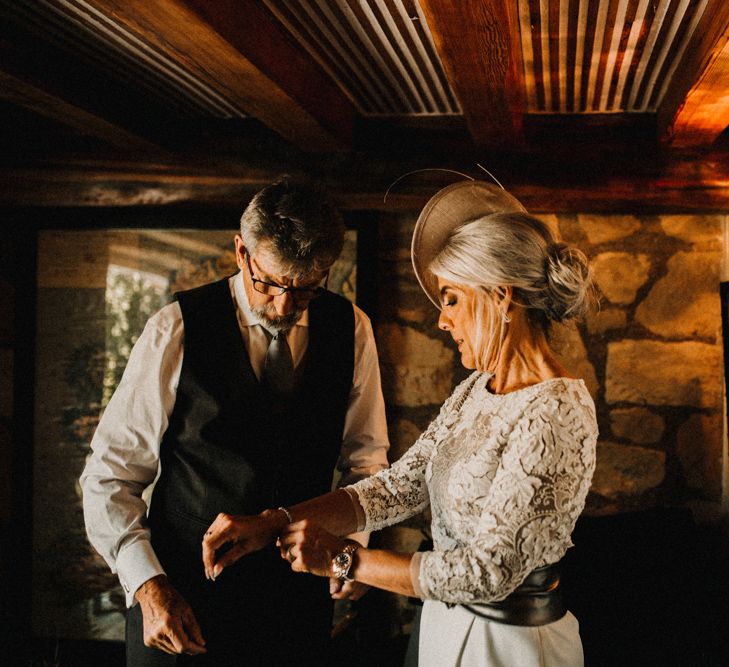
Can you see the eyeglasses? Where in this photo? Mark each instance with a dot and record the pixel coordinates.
(274, 289)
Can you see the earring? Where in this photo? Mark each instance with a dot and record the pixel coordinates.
(504, 315)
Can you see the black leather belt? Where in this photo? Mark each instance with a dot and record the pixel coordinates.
(537, 601)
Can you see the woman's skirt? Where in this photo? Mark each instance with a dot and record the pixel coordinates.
(454, 637)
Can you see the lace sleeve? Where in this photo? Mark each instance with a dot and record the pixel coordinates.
(399, 492)
(526, 519)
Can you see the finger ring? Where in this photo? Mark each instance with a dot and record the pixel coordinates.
(289, 556)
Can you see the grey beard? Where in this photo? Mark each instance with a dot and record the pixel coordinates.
(266, 316)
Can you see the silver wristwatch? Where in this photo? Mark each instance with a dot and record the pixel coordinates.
(342, 562)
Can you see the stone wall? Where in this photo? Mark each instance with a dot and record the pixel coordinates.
(656, 349)
(651, 357)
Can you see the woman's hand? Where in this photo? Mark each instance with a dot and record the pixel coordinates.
(309, 548)
(246, 534)
(347, 590)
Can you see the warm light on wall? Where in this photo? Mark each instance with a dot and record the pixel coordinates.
(724, 277)
(724, 269)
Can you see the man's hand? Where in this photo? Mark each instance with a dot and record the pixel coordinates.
(347, 590)
(169, 623)
(246, 534)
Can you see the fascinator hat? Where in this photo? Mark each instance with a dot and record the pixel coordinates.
(448, 209)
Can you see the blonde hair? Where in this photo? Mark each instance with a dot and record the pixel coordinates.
(552, 280)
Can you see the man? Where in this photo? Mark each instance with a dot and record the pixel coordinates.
(243, 395)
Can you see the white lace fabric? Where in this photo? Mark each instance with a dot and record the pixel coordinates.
(506, 476)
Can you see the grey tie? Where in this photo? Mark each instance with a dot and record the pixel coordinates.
(278, 372)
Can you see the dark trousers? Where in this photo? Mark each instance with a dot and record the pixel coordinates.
(257, 613)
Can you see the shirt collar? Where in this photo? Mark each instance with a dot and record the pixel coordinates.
(246, 317)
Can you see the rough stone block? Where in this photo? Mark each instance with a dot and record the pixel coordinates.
(408, 302)
(415, 312)
(572, 354)
(402, 437)
(704, 231)
(606, 319)
(604, 228)
(699, 448)
(626, 470)
(619, 275)
(637, 425)
(416, 369)
(552, 221)
(650, 372)
(685, 303)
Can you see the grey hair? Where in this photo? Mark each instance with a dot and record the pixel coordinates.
(300, 220)
(552, 280)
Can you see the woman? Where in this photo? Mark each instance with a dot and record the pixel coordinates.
(505, 466)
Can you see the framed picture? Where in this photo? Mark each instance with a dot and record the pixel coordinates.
(96, 289)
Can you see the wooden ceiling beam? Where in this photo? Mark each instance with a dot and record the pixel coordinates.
(703, 50)
(52, 83)
(98, 184)
(478, 44)
(238, 50)
(690, 182)
(258, 36)
(50, 105)
(705, 113)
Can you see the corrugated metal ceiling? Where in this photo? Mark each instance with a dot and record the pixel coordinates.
(79, 26)
(580, 56)
(379, 52)
(586, 56)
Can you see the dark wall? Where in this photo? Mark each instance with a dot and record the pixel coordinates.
(17, 271)
(8, 278)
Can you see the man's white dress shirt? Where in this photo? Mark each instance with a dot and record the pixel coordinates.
(126, 446)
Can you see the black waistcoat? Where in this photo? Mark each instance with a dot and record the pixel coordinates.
(230, 446)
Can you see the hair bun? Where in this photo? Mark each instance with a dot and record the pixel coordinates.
(569, 282)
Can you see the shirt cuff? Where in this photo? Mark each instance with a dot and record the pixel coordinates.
(415, 562)
(135, 564)
(359, 512)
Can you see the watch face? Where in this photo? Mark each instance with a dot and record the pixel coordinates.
(342, 560)
(342, 563)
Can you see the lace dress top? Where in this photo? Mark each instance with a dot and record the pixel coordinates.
(506, 477)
